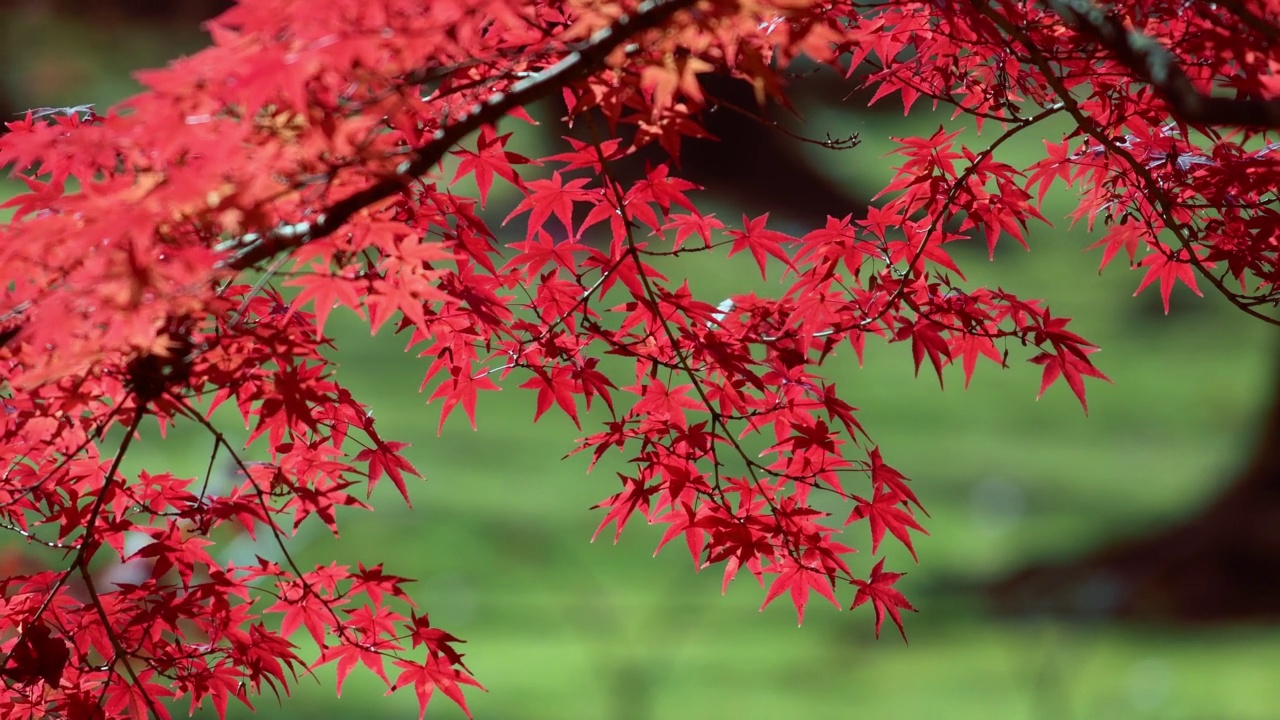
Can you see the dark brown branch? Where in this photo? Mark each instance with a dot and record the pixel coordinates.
(255, 248)
(1148, 59)
(578, 64)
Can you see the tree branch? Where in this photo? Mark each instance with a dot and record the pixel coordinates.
(578, 64)
(255, 248)
(1151, 62)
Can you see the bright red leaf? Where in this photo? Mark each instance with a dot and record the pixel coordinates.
(884, 599)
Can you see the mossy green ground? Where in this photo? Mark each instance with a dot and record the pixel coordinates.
(560, 628)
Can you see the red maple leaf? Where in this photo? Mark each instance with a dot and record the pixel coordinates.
(1170, 268)
(762, 243)
(435, 672)
(879, 591)
(488, 159)
(551, 197)
(556, 386)
(883, 514)
(386, 458)
(798, 580)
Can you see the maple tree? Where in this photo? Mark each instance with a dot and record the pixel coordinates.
(184, 250)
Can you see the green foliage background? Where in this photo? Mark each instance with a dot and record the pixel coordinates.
(561, 628)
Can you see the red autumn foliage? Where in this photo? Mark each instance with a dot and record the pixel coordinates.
(305, 147)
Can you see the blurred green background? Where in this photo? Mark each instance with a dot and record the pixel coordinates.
(561, 628)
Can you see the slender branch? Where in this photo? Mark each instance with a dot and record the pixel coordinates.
(122, 655)
(31, 537)
(845, 142)
(947, 210)
(81, 560)
(341, 629)
(583, 300)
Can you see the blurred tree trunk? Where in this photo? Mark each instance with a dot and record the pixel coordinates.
(1220, 564)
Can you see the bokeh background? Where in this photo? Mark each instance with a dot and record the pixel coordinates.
(558, 627)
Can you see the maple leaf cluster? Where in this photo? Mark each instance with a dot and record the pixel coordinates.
(183, 250)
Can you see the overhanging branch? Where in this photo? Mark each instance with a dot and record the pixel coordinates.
(580, 63)
(254, 248)
(1154, 64)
